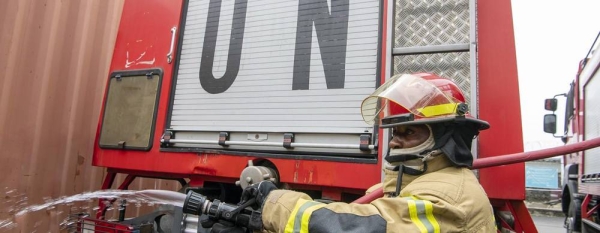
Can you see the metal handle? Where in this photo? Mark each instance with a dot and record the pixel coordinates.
(294, 144)
(432, 49)
(170, 54)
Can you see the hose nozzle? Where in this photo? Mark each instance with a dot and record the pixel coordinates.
(195, 204)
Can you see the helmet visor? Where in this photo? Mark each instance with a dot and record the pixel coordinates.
(417, 95)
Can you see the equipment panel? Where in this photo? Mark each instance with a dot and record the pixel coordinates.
(258, 70)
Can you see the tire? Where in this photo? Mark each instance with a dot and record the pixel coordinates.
(573, 218)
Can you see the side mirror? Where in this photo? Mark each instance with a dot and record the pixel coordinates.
(550, 104)
(550, 123)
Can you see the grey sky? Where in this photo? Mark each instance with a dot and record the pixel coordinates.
(551, 38)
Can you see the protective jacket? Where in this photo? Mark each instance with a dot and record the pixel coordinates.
(443, 199)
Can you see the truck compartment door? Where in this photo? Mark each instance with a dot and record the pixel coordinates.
(260, 74)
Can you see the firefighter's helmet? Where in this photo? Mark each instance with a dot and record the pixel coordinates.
(424, 98)
(421, 98)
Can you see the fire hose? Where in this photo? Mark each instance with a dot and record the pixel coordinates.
(508, 159)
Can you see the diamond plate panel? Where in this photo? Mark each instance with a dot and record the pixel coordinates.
(454, 66)
(431, 22)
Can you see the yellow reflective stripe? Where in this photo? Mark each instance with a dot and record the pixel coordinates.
(412, 207)
(429, 214)
(289, 227)
(436, 110)
(298, 220)
(306, 217)
(421, 213)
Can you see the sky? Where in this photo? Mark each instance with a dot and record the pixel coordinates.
(551, 38)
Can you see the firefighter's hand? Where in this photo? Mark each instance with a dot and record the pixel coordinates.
(221, 226)
(259, 192)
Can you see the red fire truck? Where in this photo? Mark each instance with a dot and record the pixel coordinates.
(581, 186)
(284, 103)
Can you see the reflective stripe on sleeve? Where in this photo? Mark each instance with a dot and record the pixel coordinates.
(421, 213)
(298, 221)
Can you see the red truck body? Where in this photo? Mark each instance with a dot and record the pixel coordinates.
(147, 129)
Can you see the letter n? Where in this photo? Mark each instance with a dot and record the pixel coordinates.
(332, 34)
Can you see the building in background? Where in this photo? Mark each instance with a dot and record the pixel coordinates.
(545, 173)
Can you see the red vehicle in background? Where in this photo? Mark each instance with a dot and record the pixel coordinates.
(221, 94)
(581, 180)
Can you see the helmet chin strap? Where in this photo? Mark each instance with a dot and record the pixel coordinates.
(412, 161)
(404, 169)
(411, 170)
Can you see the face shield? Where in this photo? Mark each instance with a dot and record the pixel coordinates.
(411, 92)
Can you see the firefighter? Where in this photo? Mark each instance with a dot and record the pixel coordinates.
(428, 185)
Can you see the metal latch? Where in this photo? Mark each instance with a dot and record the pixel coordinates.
(223, 137)
(365, 141)
(288, 139)
(121, 144)
(150, 75)
(118, 77)
(166, 138)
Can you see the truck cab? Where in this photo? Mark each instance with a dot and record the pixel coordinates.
(581, 189)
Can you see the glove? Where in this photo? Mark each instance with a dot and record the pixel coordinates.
(259, 191)
(221, 226)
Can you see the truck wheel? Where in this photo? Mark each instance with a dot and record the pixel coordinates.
(573, 218)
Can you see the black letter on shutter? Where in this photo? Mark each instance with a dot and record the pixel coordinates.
(207, 79)
(332, 34)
